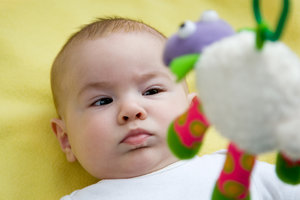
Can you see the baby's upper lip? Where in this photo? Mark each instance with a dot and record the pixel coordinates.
(135, 132)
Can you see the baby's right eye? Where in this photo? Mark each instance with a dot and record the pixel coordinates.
(102, 101)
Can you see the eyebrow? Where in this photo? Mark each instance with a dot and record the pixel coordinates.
(93, 85)
(140, 78)
(153, 74)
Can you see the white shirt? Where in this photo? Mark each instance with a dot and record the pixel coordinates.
(187, 180)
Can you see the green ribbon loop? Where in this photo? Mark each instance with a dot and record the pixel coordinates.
(263, 32)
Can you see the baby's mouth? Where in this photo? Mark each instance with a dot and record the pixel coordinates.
(136, 137)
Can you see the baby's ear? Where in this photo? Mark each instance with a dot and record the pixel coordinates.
(59, 129)
(191, 96)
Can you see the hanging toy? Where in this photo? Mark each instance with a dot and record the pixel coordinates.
(249, 86)
(182, 51)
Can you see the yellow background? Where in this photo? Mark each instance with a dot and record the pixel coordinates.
(32, 32)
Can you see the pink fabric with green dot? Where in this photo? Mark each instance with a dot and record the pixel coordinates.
(234, 180)
(192, 125)
(186, 133)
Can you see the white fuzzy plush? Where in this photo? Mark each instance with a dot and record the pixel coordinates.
(252, 97)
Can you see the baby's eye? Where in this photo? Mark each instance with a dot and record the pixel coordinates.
(152, 91)
(102, 101)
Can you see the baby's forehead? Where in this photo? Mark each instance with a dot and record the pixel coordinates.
(114, 44)
(107, 40)
(89, 57)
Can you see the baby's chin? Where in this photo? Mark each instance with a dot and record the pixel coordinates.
(145, 162)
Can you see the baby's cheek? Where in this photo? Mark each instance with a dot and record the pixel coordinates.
(90, 133)
(90, 148)
(179, 106)
(169, 111)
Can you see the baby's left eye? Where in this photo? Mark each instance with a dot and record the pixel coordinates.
(152, 91)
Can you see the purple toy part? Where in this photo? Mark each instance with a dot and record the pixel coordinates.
(205, 34)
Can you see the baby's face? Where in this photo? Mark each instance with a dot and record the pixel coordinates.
(119, 106)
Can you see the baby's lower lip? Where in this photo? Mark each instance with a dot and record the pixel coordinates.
(136, 139)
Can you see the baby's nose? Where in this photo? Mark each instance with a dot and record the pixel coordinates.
(137, 116)
(130, 112)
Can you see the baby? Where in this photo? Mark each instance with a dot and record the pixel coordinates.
(115, 100)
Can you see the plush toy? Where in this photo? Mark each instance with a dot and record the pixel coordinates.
(249, 86)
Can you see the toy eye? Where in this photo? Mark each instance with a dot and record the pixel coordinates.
(186, 29)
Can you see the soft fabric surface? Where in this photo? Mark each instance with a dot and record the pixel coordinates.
(258, 92)
(32, 165)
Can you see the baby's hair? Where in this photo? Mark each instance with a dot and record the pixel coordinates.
(97, 29)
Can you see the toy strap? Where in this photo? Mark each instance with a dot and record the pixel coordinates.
(263, 32)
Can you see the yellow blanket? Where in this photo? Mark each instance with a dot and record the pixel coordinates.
(32, 32)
